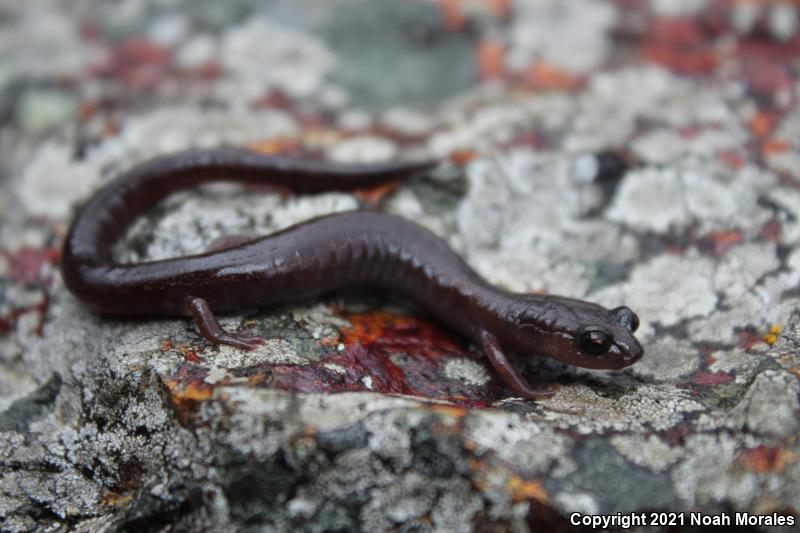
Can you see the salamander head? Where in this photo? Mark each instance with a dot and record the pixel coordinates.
(579, 333)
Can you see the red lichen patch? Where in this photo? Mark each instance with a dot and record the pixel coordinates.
(701, 61)
(771, 231)
(762, 70)
(273, 99)
(542, 76)
(371, 328)
(209, 71)
(676, 435)
(764, 459)
(453, 14)
(679, 44)
(390, 354)
(732, 159)
(718, 242)
(137, 63)
(26, 264)
(188, 354)
(747, 338)
(710, 378)
(8, 321)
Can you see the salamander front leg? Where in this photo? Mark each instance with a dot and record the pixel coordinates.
(211, 330)
(503, 367)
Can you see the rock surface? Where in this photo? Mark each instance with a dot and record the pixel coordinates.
(620, 151)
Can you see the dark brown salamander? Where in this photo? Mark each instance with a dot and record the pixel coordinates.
(353, 249)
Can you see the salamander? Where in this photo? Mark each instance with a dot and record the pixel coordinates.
(352, 249)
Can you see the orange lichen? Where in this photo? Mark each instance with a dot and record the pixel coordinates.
(450, 410)
(772, 336)
(279, 145)
(491, 56)
(526, 489)
(194, 391)
(462, 157)
(373, 196)
(544, 76)
(775, 146)
(762, 123)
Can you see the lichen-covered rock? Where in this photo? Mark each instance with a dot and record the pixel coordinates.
(579, 158)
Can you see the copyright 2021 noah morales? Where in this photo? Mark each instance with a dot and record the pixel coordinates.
(629, 520)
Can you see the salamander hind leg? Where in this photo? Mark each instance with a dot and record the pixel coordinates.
(507, 372)
(210, 329)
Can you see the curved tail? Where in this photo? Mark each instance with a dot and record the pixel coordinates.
(107, 214)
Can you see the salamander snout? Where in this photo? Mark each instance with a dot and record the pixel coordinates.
(625, 317)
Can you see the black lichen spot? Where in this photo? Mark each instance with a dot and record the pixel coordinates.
(611, 168)
(33, 407)
(430, 456)
(612, 391)
(257, 491)
(441, 196)
(157, 513)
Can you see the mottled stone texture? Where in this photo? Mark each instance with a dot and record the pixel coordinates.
(627, 152)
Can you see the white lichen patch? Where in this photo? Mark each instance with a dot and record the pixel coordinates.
(319, 320)
(273, 351)
(465, 370)
(573, 36)
(532, 446)
(363, 149)
(772, 405)
(742, 266)
(667, 359)
(263, 55)
(329, 412)
(666, 290)
(743, 363)
(299, 209)
(577, 502)
(407, 121)
(169, 129)
(660, 146)
(650, 199)
(702, 473)
(52, 183)
(649, 451)
(648, 408)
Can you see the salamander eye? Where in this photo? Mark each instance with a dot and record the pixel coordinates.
(594, 342)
